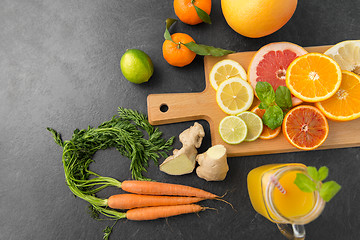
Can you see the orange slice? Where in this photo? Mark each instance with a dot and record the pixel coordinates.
(267, 132)
(305, 127)
(345, 104)
(313, 77)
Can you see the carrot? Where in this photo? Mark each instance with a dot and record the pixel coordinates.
(157, 188)
(129, 201)
(151, 213)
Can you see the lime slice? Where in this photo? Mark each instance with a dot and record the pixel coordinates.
(224, 70)
(234, 96)
(347, 55)
(253, 123)
(233, 130)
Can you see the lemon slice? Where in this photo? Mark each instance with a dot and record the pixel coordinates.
(234, 96)
(253, 123)
(224, 70)
(233, 130)
(347, 55)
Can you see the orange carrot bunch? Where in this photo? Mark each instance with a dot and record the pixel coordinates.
(153, 200)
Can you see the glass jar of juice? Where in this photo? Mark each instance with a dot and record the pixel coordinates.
(290, 210)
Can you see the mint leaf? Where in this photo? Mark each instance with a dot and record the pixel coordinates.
(169, 23)
(263, 105)
(329, 189)
(323, 173)
(283, 97)
(313, 173)
(304, 183)
(273, 117)
(202, 14)
(203, 50)
(265, 93)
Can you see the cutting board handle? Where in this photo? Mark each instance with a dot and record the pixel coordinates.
(177, 107)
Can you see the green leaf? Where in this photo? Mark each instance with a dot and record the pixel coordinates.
(329, 189)
(263, 105)
(265, 93)
(57, 137)
(313, 173)
(202, 14)
(203, 50)
(107, 232)
(283, 97)
(323, 173)
(304, 183)
(273, 117)
(169, 23)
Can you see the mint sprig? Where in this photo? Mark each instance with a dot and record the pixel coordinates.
(274, 103)
(327, 190)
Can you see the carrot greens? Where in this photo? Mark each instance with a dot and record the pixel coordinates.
(126, 133)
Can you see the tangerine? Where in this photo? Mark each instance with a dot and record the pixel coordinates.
(176, 53)
(186, 12)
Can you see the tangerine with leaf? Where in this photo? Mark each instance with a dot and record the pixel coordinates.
(193, 12)
(175, 52)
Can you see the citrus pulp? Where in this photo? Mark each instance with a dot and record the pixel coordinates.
(347, 55)
(254, 125)
(224, 70)
(233, 130)
(344, 105)
(269, 64)
(234, 96)
(305, 127)
(313, 77)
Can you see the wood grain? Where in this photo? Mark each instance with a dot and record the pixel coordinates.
(195, 106)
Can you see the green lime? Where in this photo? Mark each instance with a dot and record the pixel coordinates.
(136, 66)
(233, 130)
(253, 123)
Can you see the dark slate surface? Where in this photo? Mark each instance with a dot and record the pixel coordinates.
(59, 65)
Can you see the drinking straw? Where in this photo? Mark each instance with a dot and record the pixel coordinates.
(277, 184)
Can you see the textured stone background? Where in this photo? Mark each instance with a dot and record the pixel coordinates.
(59, 68)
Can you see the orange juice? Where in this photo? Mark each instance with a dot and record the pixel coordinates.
(295, 202)
(293, 206)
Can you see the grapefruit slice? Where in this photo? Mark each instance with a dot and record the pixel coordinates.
(305, 127)
(270, 62)
(347, 55)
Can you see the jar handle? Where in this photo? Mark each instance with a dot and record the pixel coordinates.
(292, 231)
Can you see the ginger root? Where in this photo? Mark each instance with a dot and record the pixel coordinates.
(213, 164)
(183, 161)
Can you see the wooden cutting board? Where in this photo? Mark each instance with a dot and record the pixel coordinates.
(180, 107)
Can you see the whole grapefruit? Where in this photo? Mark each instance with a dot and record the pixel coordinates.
(257, 18)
